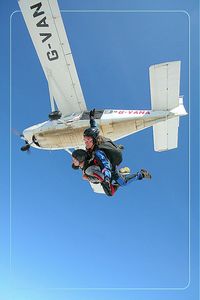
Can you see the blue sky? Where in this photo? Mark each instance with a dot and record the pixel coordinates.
(59, 239)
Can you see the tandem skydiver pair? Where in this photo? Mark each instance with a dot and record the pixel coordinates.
(100, 160)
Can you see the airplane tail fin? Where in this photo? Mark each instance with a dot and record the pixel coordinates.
(165, 86)
(165, 135)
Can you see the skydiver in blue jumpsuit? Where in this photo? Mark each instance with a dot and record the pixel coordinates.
(99, 170)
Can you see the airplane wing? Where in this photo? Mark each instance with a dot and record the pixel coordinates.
(45, 25)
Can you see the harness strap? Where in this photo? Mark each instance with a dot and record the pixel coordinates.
(98, 177)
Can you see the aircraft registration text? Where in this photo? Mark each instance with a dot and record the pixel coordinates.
(42, 23)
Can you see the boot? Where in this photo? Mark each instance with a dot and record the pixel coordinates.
(145, 174)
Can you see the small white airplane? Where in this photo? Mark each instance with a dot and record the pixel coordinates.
(69, 116)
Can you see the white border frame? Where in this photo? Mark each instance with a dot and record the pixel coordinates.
(189, 204)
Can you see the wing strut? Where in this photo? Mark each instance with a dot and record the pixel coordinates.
(67, 149)
(50, 92)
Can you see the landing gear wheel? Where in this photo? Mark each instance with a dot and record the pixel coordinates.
(55, 115)
(25, 148)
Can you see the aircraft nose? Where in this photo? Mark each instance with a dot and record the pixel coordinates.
(28, 135)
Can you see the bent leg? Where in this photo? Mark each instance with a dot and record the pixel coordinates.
(95, 171)
(108, 188)
(124, 180)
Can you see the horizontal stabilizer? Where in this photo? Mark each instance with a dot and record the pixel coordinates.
(165, 85)
(165, 134)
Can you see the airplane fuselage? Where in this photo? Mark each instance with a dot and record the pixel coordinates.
(67, 132)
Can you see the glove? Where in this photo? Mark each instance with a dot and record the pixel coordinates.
(92, 113)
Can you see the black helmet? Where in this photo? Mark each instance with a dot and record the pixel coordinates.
(80, 154)
(91, 131)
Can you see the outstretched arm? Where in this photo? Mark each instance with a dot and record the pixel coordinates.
(93, 123)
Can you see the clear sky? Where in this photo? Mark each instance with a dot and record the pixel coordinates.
(59, 240)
